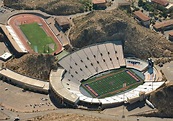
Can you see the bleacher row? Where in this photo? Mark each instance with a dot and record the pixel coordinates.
(16, 38)
(88, 62)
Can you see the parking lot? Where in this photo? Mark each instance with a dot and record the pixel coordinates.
(5, 12)
(16, 99)
(2, 10)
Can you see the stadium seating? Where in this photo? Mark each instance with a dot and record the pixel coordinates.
(16, 38)
(92, 60)
(105, 56)
(118, 48)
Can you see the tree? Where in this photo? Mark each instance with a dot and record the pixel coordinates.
(140, 3)
(164, 14)
(161, 8)
(170, 10)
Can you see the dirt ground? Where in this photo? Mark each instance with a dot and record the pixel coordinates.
(3, 116)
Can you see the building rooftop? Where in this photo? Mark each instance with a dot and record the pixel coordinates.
(161, 2)
(62, 20)
(124, 3)
(98, 1)
(162, 24)
(6, 56)
(141, 15)
(171, 33)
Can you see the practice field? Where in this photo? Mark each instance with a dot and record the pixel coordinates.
(39, 41)
(112, 83)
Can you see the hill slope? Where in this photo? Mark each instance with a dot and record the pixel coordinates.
(33, 65)
(101, 26)
(57, 7)
(67, 117)
(162, 99)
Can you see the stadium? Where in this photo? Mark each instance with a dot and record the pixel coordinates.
(95, 77)
(29, 33)
(98, 77)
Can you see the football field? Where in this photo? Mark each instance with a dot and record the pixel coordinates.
(37, 38)
(112, 83)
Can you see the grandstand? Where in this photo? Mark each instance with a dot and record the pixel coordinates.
(24, 81)
(87, 65)
(14, 39)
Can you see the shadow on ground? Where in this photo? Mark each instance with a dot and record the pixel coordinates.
(54, 101)
(133, 106)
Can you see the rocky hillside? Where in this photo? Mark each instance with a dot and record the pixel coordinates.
(33, 65)
(163, 101)
(57, 7)
(67, 117)
(101, 26)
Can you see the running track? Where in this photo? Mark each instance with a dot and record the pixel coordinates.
(17, 20)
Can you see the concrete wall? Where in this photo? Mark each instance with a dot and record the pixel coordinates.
(24, 85)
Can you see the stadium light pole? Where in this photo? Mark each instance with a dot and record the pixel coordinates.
(124, 85)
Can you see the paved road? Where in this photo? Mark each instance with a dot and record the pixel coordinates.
(25, 116)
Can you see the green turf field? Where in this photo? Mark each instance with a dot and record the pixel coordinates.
(111, 84)
(39, 41)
